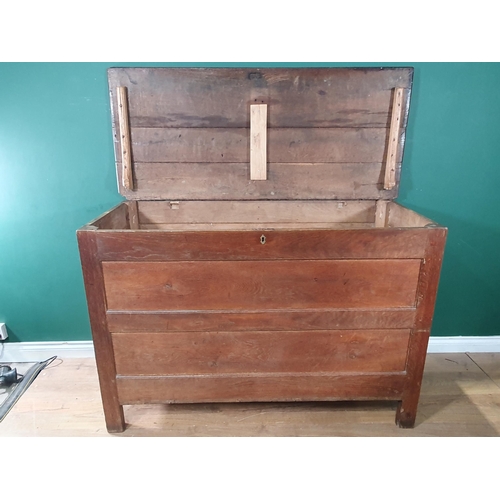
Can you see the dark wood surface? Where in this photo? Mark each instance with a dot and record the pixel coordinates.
(116, 218)
(293, 145)
(285, 181)
(426, 299)
(190, 119)
(174, 346)
(305, 244)
(279, 387)
(297, 97)
(429, 278)
(94, 287)
(209, 287)
(290, 319)
(247, 285)
(174, 353)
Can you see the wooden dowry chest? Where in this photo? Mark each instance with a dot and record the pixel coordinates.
(260, 255)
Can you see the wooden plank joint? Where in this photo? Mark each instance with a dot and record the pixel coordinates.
(392, 150)
(125, 139)
(258, 142)
(381, 213)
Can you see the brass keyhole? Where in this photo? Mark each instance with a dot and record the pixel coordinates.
(262, 239)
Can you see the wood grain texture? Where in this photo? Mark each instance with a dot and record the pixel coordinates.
(256, 212)
(313, 286)
(125, 138)
(133, 214)
(399, 216)
(94, 288)
(263, 226)
(394, 139)
(143, 246)
(429, 278)
(232, 145)
(381, 213)
(279, 387)
(301, 320)
(247, 285)
(406, 412)
(176, 353)
(315, 115)
(285, 181)
(220, 97)
(489, 363)
(258, 142)
(426, 299)
(457, 399)
(116, 218)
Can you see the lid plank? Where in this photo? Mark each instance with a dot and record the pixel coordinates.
(332, 133)
(232, 145)
(297, 97)
(285, 181)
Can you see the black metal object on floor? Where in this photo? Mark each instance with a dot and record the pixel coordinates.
(9, 376)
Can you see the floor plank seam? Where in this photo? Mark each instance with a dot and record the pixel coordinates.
(467, 354)
(457, 400)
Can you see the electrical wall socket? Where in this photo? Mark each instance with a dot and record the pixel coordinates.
(3, 331)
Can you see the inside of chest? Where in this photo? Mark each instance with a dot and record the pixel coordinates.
(254, 215)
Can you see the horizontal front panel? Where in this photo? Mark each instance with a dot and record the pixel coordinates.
(336, 145)
(236, 285)
(385, 243)
(280, 387)
(206, 321)
(177, 353)
(285, 181)
(220, 97)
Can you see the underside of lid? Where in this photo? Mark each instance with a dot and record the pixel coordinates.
(259, 134)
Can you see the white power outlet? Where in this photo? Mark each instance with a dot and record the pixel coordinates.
(3, 331)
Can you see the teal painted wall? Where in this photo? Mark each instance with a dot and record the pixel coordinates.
(57, 173)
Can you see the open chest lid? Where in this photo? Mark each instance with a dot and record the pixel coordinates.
(259, 134)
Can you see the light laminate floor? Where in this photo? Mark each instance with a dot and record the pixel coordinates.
(460, 397)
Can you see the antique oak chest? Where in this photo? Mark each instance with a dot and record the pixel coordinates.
(260, 255)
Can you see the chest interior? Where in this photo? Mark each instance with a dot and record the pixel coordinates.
(222, 149)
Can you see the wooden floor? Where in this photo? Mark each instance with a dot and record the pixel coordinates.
(460, 397)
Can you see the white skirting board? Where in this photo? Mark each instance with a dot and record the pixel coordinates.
(20, 352)
(40, 351)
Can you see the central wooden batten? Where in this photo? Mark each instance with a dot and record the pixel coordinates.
(260, 255)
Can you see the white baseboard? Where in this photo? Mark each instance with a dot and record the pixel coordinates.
(40, 351)
(20, 352)
(464, 344)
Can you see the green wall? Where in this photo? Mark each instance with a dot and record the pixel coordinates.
(57, 173)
